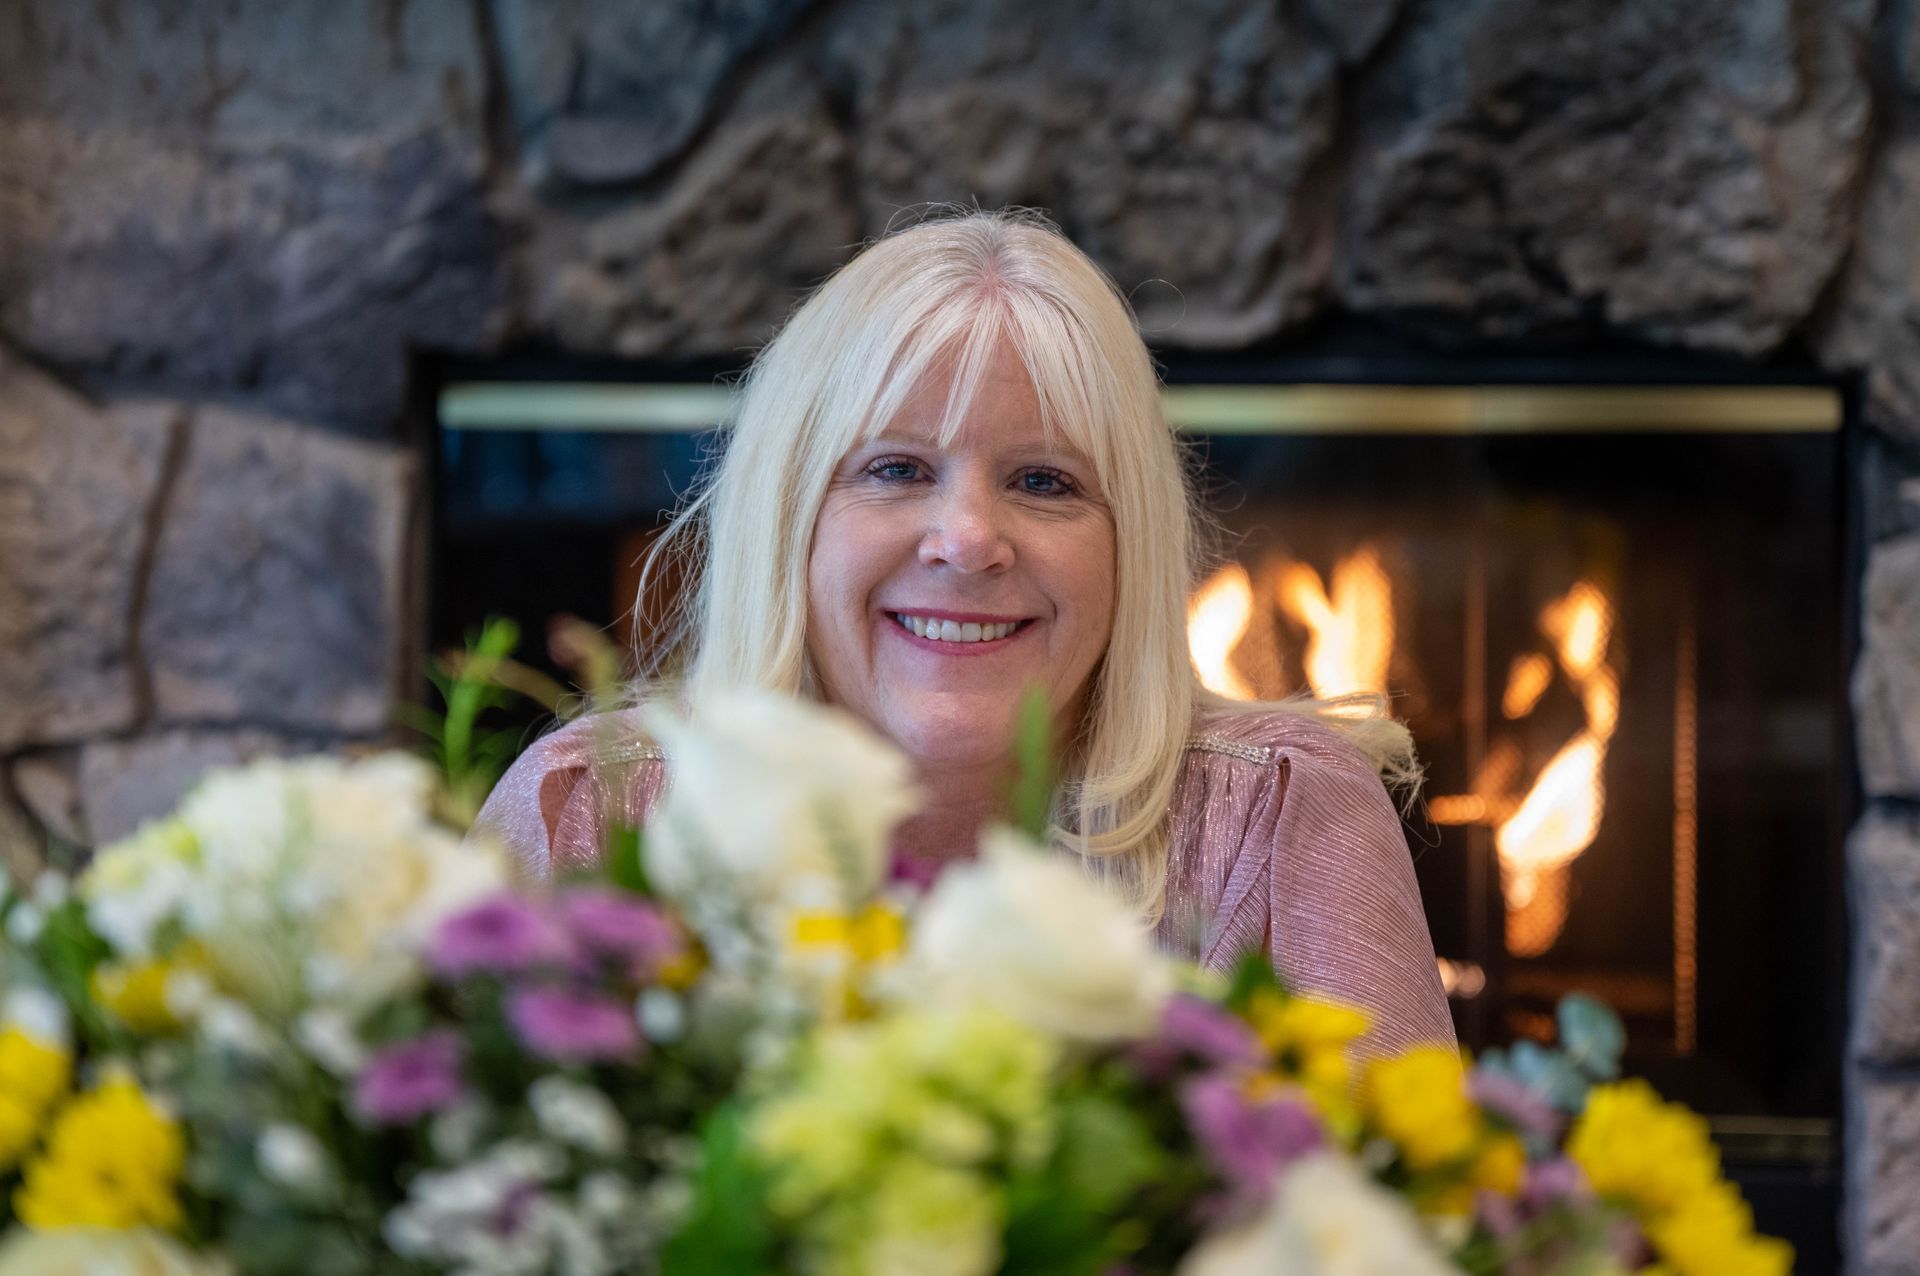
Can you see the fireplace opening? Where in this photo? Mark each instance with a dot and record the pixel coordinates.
(1611, 598)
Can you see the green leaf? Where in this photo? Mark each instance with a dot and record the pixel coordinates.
(1253, 973)
(1035, 773)
(67, 951)
(728, 1232)
(1592, 1036)
(1105, 1153)
(626, 859)
(1050, 1235)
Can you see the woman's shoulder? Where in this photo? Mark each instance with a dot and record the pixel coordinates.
(551, 803)
(1268, 736)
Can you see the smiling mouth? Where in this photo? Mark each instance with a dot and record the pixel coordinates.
(936, 630)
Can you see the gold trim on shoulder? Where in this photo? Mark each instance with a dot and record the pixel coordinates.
(633, 751)
(1211, 743)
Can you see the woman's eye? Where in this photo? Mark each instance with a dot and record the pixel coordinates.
(1044, 482)
(894, 470)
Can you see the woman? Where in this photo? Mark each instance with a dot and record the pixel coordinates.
(950, 479)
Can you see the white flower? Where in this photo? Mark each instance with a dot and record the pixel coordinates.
(314, 879)
(25, 921)
(50, 890)
(136, 885)
(37, 1012)
(454, 1132)
(766, 790)
(455, 1217)
(99, 1252)
(330, 1040)
(226, 1024)
(1029, 933)
(577, 1115)
(662, 1015)
(292, 1157)
(1327, 1218)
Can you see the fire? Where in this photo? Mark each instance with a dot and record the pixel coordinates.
(1217, 619)
(1527, 681)
(1560, 816)
(1349, 626)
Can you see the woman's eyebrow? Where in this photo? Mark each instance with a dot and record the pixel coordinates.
(1059, 448)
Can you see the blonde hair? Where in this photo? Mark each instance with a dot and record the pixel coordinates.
(953, 287)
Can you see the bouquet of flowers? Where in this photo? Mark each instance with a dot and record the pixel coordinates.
(300, 1026)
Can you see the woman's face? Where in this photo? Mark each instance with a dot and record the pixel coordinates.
(944, 582)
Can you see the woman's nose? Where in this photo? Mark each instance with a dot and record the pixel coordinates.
(966, 532)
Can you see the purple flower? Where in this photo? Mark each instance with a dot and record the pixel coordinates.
(1213, 1033)
(1553, 1182)
(622, 927)
(499, 936)
(1191, 1027)
(407, 1081)
(569, 1027)
(1511, 1099)
(1248, 1141)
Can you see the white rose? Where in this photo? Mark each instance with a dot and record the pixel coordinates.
(765, 790)
(1029, 933)
(97, 1252)
(1327, 1218)
(310, 879)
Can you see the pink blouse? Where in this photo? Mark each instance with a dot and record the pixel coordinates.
(1283, 840)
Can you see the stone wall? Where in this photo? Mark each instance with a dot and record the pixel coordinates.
(225, 227)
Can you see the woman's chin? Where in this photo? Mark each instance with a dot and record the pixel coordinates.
(955, 738)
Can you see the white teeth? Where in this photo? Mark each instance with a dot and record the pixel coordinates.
(953, 631)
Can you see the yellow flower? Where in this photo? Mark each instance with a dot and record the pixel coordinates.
(33, 1073)
(876, 935)
(1634, 1148)
(1711, 1234)
(111, 1160)
(1500, 1166)
(1419, 1100)
(1287, 1024)
(135, 992)
(1308, 1040)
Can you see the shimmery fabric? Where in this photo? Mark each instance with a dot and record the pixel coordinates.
(1283, 841)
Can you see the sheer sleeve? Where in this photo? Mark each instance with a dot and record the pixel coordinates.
(1285, 841)
(554, 806)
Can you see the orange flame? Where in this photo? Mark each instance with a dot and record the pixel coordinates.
(1217, 619)
(1350, 626)
(1527, 681)
(1560, 816)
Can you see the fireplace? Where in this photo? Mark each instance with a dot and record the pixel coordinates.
(1611, 597)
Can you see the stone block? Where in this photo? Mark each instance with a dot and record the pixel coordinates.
(605, 95)
(1529, 170)
(1875, 320)
(1357, 26)
(1883, 857)
(671, 278)
(278, 199)
(276, 587)
(76, 484)
(1886, 678)
(1188, 156)
(48, 786)
(125, 783)
(1884, 1179)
